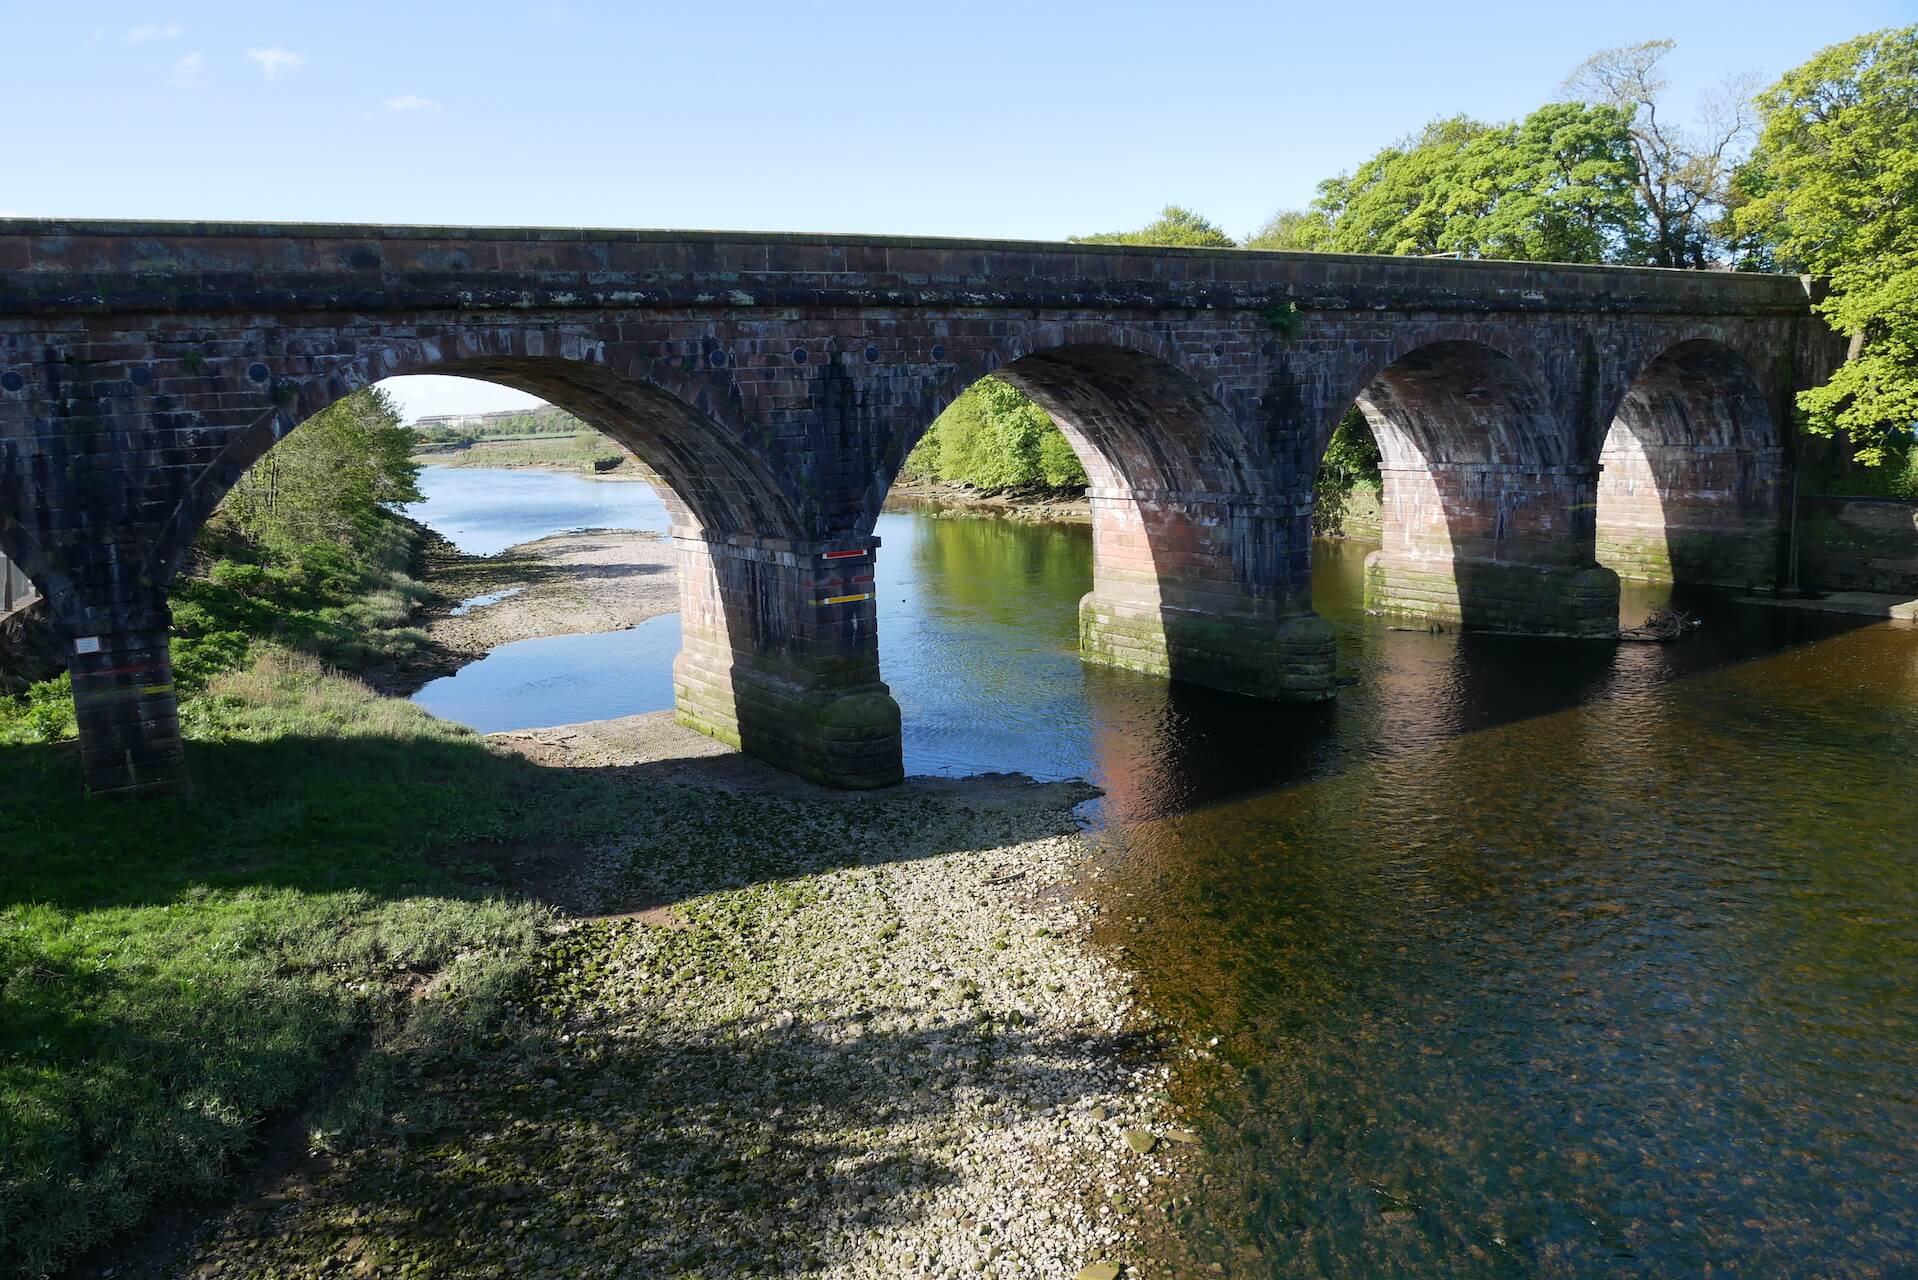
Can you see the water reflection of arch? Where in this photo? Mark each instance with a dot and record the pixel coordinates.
(1691, 488)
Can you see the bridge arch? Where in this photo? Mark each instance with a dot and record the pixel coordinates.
(1193, 555)
(1486, 506)
(1112, 374)
(707, 470)
(1691, 482)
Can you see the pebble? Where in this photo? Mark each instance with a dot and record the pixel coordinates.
(854, 1044)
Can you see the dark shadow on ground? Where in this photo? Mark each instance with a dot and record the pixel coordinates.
(398, 816)
(362, 819)
(648, 1150)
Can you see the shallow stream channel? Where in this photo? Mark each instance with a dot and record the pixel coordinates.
(1523, 957)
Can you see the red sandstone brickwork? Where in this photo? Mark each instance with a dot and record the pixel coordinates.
(775, 384)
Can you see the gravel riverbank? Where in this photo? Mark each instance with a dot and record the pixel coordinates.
(778, 1030)
(951, 498)
(575, 583)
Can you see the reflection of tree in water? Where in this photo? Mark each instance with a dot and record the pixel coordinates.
(1003, 568)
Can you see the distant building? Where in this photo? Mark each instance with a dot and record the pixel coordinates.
(484, 421)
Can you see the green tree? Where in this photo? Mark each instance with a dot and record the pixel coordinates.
(1683, 176)
(1293, 229)
(1395, 202)
(324, 480)
(1351, 460)
(1555, 186)
(1834, 190)
(994, 437)
(1177, 227)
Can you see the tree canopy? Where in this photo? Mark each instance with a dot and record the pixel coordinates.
(1555, 186)
(323, 481)
(1834, 190)
(995, 437)
(1175, 226)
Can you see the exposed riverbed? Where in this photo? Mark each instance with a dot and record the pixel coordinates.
(1523, 958)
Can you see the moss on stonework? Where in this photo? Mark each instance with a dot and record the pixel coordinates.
(1704, 559)
(1519, 599)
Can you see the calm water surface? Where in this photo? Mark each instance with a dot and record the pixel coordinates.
(1526, 958)
(483, 511)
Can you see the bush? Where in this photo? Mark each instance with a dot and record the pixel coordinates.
(1351, 461)
(994, 437)
(44, 713)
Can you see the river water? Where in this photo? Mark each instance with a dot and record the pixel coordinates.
(1524, 957)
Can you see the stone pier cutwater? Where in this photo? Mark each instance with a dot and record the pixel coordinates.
(1539, 424)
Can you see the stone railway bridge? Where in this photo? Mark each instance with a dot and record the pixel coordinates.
(1535, 421)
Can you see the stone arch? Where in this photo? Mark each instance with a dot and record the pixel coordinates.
(713, 476)
(1194, 562)
(1470, 346)
(1486, 506)
(1691, 486)
(1087, 372)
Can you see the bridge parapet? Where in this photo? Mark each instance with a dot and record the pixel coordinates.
(51, 267)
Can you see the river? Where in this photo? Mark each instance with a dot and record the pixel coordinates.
(1523, 958)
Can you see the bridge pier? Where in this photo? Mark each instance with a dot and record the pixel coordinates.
(1171, 596)
(779, 656)
(1494, 547)
(129, 720)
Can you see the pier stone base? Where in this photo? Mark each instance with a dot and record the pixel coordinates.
(1284, 659)
(1482, 595)
(128, 718)
(780, 658)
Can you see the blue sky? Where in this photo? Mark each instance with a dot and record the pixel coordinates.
(1029, 119)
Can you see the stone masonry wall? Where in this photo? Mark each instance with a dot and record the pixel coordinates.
(774, 385)
(1857, 544)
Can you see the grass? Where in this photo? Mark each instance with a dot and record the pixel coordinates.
(590, 453)
(173, 972)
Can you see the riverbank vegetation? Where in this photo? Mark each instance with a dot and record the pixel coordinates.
(585, 450)
(172, 973)
(304, 553)
(1814, 174)
(994, 437)
(322, 911)
(545, 420)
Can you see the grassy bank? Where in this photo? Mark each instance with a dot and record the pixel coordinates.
(172, 973)
(587, 452)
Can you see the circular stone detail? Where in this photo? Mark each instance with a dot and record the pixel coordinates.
(938, 352)
(799, 355)
(258, 372)
(872, 355)
(140, 374)
(717, 359)
(11, 381)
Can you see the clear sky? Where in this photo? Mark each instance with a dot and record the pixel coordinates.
(1040, 118)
